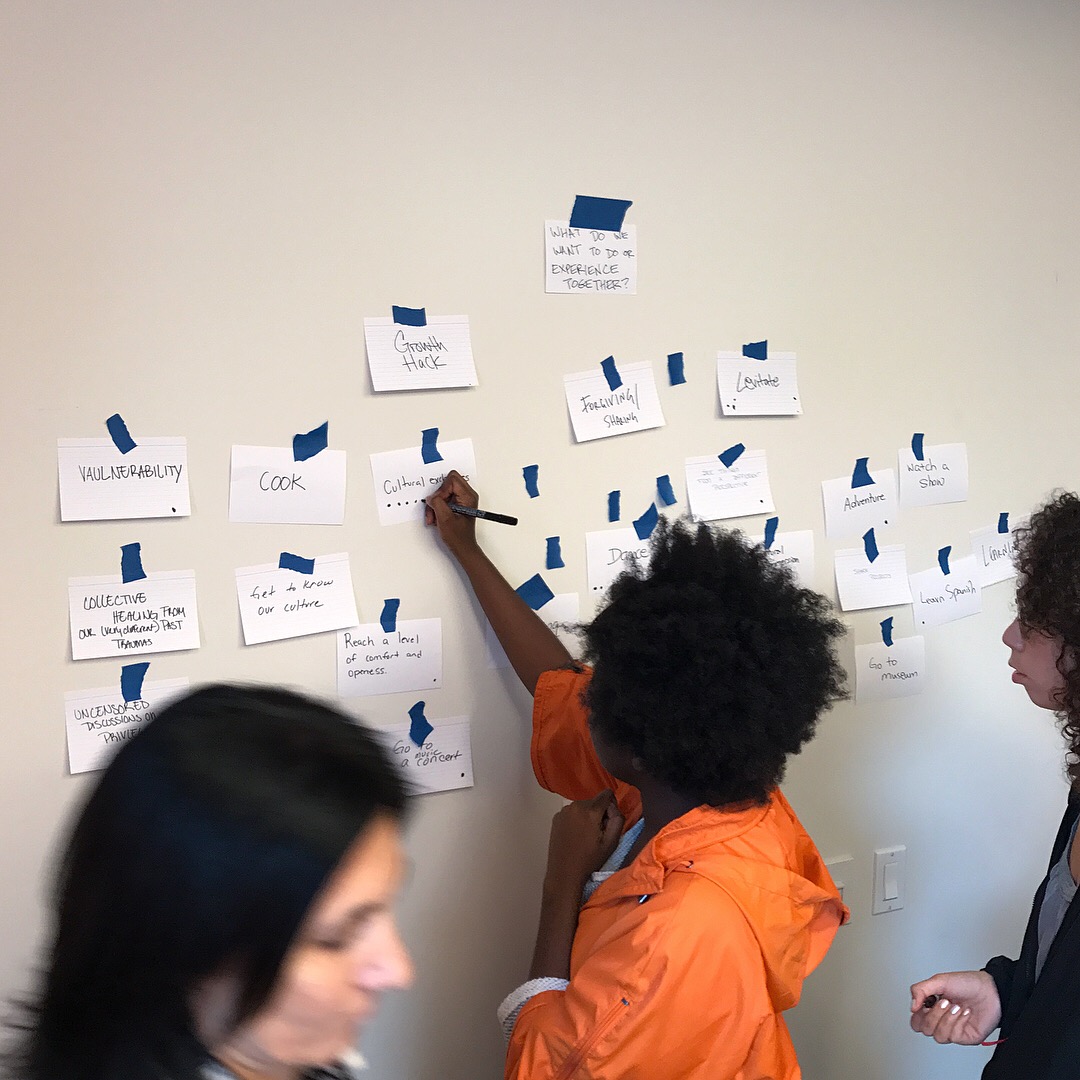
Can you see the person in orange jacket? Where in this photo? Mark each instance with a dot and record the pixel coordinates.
(683, 903)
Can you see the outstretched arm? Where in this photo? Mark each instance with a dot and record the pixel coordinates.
(530, 645)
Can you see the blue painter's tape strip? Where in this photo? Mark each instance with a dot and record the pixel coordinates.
(676, 369)
(531, 473)
(1003, 523)
(732, 454)
(131, 568)
(861, 476)
(770, 531)
(870, 545)
(916, 446)
(943, 559)
(429, 449)
(591, 212)
(288, 561)
(756, 350)
(131, 680)
(419, 728)
(535, 592)
(312, 443)
(118, 432)
(613, 512)
(611, 373)
(665, 490)
(388, 618)
(554, 560)
(886, 631)
(645, 524)
(409, 316)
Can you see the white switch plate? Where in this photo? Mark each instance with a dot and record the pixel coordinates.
(889, 879)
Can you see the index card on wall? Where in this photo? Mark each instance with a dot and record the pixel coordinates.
(795, 550)
(403, 479)
(438, 354)
(98, 721)
(276, 603)
(715, 490)
(597, 411)
(109, 617)
(608, 552)
(883, 671)
(266, 484)
(941, 477)
(442, 763)
(850, 511)
(751, 387)
(861, 583)
(940, 598)
(561, 608)
(589, 260)
(993, 553)
(372, 661)
(99, 483)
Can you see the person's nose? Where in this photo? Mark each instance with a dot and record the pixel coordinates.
(1012, 638)
(389, 966)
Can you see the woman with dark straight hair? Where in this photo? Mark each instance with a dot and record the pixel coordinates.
(223, 904)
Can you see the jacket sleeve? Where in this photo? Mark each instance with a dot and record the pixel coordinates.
(563, 758)
(1001, 970)
(682, 983)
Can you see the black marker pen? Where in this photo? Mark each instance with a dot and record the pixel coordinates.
(487, 515)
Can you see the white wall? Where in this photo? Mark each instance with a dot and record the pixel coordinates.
(202, 201)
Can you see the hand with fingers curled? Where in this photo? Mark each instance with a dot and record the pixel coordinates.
(960, 1007)
(583, 836)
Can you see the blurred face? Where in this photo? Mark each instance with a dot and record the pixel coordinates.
(1034, 656)
(346, 953)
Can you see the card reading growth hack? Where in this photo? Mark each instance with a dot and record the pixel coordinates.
(438, 354)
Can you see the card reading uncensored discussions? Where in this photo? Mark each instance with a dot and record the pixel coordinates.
(267, 484)
(941, 476)
(861, 583)
(993, 551)
(715, 490)
(438, 354)
(608, 552)
(850, 511)
(589, 260)
(98, 721)
(889, 671)
(795, 550)
(751, 387)
(597, 411)
(98, 483)
(277, 604)
(443, 763)
(561, 608)
(372, 661)
(940, 598)
(403, 479)
(109, 617)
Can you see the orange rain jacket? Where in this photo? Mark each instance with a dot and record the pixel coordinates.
(683, 961)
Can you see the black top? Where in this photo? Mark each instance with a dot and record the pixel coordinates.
(1040, 1021)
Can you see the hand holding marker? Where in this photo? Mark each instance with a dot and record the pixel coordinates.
(487, 515)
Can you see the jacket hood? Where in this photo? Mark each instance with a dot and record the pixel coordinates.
(765, 861)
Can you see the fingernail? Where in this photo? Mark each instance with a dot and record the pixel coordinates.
(967, 1012)
(944, 1004)
(955, 1009)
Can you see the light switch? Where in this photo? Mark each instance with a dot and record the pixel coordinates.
(889, 866)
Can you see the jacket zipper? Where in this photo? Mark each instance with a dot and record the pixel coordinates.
(571, 1064)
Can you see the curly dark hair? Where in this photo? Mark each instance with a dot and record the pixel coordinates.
(1047, 556)
(711, 666)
